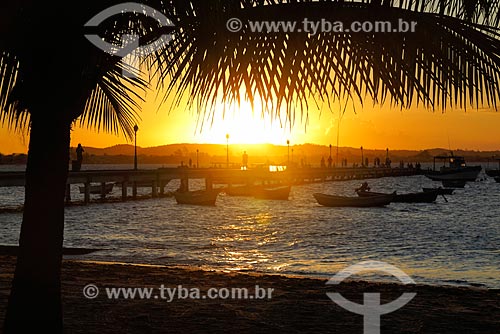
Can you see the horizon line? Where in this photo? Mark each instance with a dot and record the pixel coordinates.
(280, 146)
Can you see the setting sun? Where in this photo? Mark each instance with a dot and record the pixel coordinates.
(243, 126)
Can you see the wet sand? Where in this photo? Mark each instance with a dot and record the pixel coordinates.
(298, 305)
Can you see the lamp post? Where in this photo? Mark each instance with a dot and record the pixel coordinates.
(288, 144)
(337, 156)
(197, 161)
(136, 128)
(362, 158)
(227, 150)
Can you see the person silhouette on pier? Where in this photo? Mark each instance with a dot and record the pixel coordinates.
(245, 159)
(77, 164)
(79, 154)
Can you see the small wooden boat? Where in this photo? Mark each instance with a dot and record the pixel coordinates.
(13, 250)
(360, 202)
(493, 172)
(420, 197)
(440, 190)
(198, 197)
(242, 190)
(453, 183)
(278, 193)
(138, 184)
(97, 189)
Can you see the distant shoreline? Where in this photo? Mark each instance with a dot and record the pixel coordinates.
(208, 154)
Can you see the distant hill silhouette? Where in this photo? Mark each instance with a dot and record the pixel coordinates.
(310, 154)
(215, 154)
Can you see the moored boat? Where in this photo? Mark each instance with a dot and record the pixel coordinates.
(138, 184)
(278, 193)
(360, 202)
(197, 197)
(97, 189)
(493, 172)
(420, 197)
(457, 170)
(246, 190)
(453, 183)
(440, 190)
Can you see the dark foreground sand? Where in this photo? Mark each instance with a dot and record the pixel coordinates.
(298, 305)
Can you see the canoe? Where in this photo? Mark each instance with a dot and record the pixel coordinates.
(420, 197)
(13, 250)
(453, 183)
(441, 191)
(493, 172)
(278, 193)
(97, 189)
(360, 202)
(138, 184)
(198, 197)
(241, 190)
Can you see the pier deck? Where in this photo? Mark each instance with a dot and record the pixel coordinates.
(157, 179)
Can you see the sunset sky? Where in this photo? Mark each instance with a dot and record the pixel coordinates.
(371, 127)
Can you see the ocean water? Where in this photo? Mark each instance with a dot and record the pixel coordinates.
(443, 243)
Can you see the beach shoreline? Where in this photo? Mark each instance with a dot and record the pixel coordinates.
(297, 304)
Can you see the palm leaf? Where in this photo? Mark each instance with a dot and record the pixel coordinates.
(452, 60)
(113, 105)
(12, 114)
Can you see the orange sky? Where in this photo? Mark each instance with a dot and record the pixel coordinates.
(371, 127)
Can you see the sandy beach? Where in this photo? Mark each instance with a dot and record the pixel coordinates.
(297, 305)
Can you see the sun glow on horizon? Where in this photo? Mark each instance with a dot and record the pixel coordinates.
(373, 127)
(243, 127)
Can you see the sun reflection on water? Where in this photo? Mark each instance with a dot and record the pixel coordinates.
(242, 241)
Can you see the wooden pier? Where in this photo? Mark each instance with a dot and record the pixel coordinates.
(157, 179)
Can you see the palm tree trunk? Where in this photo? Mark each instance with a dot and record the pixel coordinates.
(35, 298)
